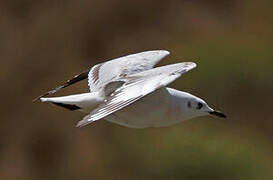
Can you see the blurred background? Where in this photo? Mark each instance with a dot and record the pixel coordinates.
(43, 43)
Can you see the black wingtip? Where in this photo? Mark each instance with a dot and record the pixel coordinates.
(70, 107)
(74, 80)
(37, 98)
(34, 100)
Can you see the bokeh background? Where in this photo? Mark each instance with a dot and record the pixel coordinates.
(43, 43)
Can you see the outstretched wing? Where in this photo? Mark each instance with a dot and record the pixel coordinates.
(135, 87)
(103, 73)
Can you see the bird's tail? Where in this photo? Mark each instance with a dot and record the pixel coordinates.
(84, 102)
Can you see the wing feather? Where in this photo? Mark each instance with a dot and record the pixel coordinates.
(102, 74)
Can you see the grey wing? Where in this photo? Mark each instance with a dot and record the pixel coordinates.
(135, 87)
(103, 73)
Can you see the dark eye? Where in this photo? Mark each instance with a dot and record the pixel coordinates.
(189, 104)
(199, 105)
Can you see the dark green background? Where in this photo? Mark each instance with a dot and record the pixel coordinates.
(43, 43)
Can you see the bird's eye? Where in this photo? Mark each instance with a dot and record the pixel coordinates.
(189, 104)
(199, 105)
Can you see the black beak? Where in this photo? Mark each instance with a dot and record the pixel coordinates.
(217, 113)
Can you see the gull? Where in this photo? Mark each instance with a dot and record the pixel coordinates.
(131, 92)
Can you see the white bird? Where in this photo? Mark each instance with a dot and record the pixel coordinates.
(129, 91)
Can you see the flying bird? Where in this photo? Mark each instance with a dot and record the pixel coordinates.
(131, 92)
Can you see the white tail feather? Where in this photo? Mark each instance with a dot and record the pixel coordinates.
(84, 102)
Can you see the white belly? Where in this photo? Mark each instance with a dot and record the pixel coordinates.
(154, 110)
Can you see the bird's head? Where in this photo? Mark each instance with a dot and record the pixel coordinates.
(194, 106)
